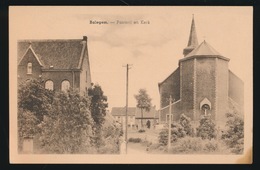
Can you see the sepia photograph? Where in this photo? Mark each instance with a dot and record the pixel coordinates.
(131, 84)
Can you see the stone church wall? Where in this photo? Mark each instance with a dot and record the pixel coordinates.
(176, 112)
(236, 90)
(205, 84)
(221, 89)
(187, 82)
(171, 86)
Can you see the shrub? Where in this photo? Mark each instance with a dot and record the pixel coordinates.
(110, 140)
(109, 146)
(234, 135)
(141, 130)
(187, 145)
(185, 123)
(134, 140)
(206, 129)
(177, 131)
(191, 145)
(211, 146)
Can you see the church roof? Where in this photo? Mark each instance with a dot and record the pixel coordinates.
(204, 49)
(61, 54)
(193, 40)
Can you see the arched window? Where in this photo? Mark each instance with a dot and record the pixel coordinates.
(65, 85)
(49, 85)
(29, 68)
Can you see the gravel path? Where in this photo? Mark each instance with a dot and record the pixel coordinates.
(136, 148)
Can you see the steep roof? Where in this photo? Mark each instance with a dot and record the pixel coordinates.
(29, 49)
(204, 49)
(193, 40)
(120, 111)
(61, 54)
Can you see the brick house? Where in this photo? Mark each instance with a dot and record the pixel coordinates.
(119, 113)
(202, 84)
(60, 64)
(135, 116)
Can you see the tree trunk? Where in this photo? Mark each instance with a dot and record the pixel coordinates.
(142, 118)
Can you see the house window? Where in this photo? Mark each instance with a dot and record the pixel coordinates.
(29, 68)
(65, 85)
(49, 85)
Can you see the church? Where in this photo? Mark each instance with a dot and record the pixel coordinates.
(58, 63)
(201, 85)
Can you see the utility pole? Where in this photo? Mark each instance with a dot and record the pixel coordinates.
(170, 123)
(126, 107)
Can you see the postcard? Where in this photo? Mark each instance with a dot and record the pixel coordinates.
(131, 84)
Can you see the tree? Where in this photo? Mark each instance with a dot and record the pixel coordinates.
(234, 135)
(143, 102)
(68, 127)
(34, 101)
(206, 129)
(98, 107)
(33, 97)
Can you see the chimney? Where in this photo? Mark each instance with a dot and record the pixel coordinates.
(85, 38)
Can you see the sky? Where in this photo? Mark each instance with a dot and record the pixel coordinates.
(152, 49)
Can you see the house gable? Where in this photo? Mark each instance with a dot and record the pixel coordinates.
(28, 55)
(35, 64)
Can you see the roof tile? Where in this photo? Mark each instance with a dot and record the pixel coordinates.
(61, 54)
(120, 111)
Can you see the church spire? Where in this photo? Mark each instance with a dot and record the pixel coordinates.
(193, 40)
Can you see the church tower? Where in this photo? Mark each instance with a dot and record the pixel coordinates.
(204, 79)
